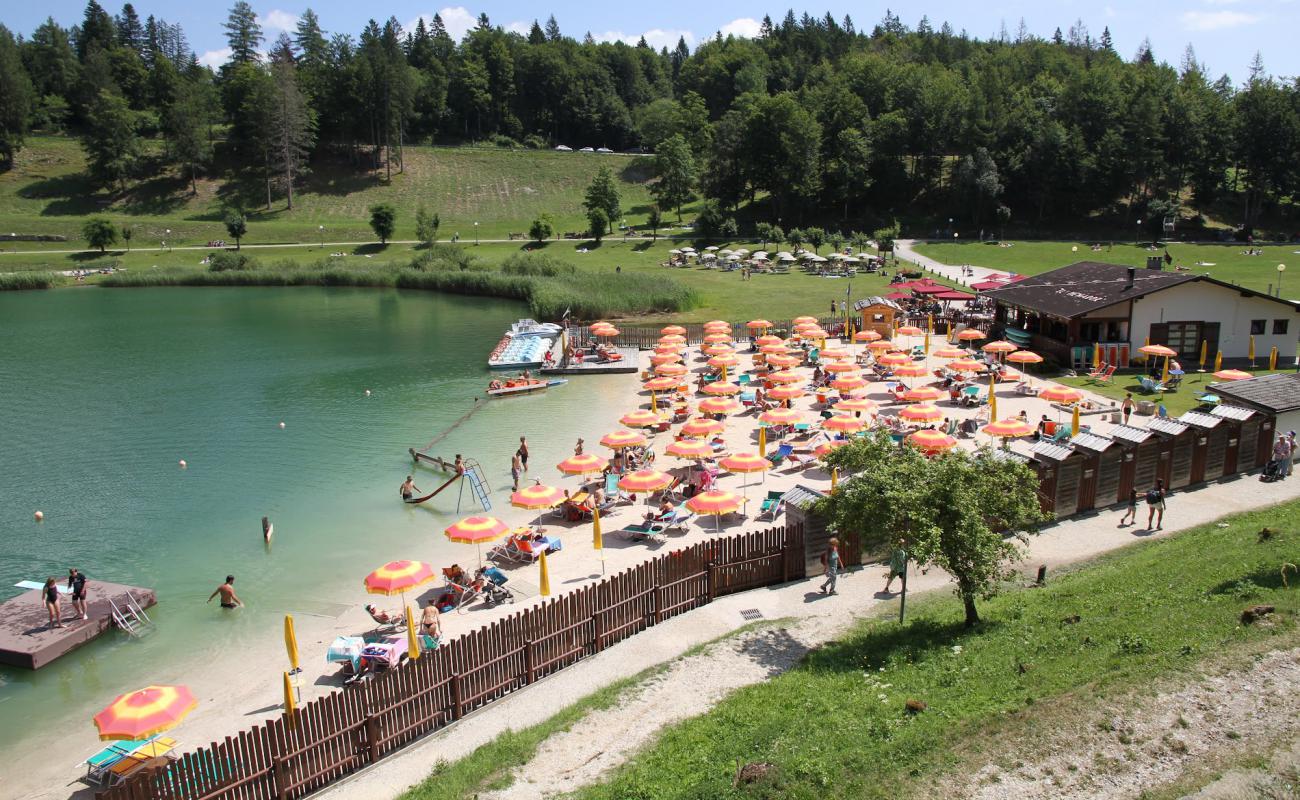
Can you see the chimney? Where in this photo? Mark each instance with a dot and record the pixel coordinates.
(1132, 273)
(1155, 262)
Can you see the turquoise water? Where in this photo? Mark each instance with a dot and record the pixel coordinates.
(104, 391)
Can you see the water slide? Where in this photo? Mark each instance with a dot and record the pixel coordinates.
(449, 482)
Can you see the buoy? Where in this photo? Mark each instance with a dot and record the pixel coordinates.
(367, 393)
(183, 464)
(281, 426)
(40, 515)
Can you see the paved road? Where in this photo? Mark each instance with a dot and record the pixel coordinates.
(953, 272)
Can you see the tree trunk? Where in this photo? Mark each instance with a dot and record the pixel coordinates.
(972, 616)
(194, 181)
(401, 147)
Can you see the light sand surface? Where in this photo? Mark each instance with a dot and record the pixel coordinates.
(239, 692)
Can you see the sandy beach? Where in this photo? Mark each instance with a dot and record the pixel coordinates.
(239, 692)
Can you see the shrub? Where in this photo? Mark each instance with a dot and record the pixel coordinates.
(226, 261)
(729, 229)
(505, 142)
(540, 264)
(18, 281)
(452, 258)
(534, 142)
(709, 221)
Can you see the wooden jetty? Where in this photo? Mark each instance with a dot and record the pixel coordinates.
(593, 367)
(26, 640)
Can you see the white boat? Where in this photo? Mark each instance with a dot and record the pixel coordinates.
(531, 327)
(525, 345)
(524, 386)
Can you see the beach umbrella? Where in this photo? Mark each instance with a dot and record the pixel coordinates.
(911, 371)
(846, 383)
(1232, 375)
(661, 384)
(844, 424)
(1218, 360)
(835, 353)
(1060, 394)
(1009, 428)
(476, 530)
(645, 480)
(931, 441)
(672, 330)
(620, 439)
(780, 416)
(812, 334)
(721, 388)
(787, 392)
(1250, 353)
(949, 351)
(585, 464)
(1074, 422)
(893, 359)
(923, 394)
(881, 346)
(398, 577)
(782, 361)
(921, 412)
(1024, 357)
(289, 705)
(724, 361)
(718, 350)
(668, 348)
(768, 339)
(1158, 350)
(719, 405)
(856, 404)
(717, 338)
(606, 332)
(866, 336)
(543, 576)
(758, 324)
(671, 370)
(672, 338)
(840, 367)
(689, 449)
(291, 642)
(700, 427)
(145, 712)
(909, 330)
(786, 376)
(971, 335)
(826, 448)
(774, 349)
(806, 328)
(716, 502)
(966, 365)
(1000, 346)
(745, 463)
(665, 358)
(1205, 345)
(717, 323)
(537, 496)
(803, 320)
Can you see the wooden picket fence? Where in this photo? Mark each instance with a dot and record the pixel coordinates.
(345, 730)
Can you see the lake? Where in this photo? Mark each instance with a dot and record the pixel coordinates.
(105, 391)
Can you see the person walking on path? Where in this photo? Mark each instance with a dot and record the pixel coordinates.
(516, 470)
(897, 565)
(1290, 462)
(1156, 504)
(832, 561)
(77, 585)
(1131, 514)
(50, 594)
(1127, 406)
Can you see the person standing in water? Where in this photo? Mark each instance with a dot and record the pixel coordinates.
(408, 489)
(516, 470)
(227, 591)
(522, 452)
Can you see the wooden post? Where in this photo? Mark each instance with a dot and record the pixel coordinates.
(659, 604)
(598, 633)
(372, 737)
(281, 776)
(709, 579)
(529, 676)
(455, 696)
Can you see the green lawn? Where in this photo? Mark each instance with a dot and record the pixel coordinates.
(1228, 260)
(837, 726)
(1176, 402)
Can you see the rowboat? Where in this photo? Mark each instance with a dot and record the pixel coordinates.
(523, 386)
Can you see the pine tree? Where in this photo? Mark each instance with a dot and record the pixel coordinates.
(111, 141)
(1144, 54)
(293, 126)
(97, 32)
(535, 34)
(282, 51)
(310, 39)
(185, 124)
(484, 24)
(130, 33)
(603, 194)
(552, 29)
(243, 34)
(15, 98)
(642, 44)
(1107, 43)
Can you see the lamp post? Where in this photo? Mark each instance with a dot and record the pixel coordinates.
(168, 234)
(1281, 268)
(1137, 234)
(476, 234)
(321, 228)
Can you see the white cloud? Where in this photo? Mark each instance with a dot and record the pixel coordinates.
(520, 27)
(656, 37)
(277, 20)
(1220, 2)
(215, 58)
(745, 28)
(456, 19)
(1217, 20)
(1109, 11)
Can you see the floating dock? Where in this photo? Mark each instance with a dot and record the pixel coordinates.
(26, 640)
(590, 366)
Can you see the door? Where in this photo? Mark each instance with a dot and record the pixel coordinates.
(1127, 472)
(1046, 487)
(1247, 446)
(1165, 460)
(1109, 466)
(1201, 447)
(1264, 441)
(1088, 484)
(1067, 487)
(1216, 453)
(1148, 463)
(1230, 448)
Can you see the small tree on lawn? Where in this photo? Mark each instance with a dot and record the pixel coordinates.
(127, 233)
(835, 239)
(796, 238)
(816, 237)
(541, 229)
(597, 222)
(885, 238)
(940, 509)
(426, 226)
(764, 232)
(654, 220)
(236, 226)
(383, 221)
(99, 232)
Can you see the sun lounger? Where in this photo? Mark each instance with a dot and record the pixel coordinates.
(642, 531)
(99, 765)
(771, 504)
(385, 622)
(139, 758)
(801, 460)
(1149, 386)
(779, 456)
(515, 550)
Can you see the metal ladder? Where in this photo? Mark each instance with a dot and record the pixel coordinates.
(130, 616)
(478, 485)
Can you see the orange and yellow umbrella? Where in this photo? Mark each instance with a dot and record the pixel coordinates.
(397, 577)
(717, 338)
(825, 448)
(971, 335)
(719, 405)
(758, 324)
(866, 336)
(609, 331)
(714, 324)
(1009, 428)
(672, 338)
(782, 361)
(786, 376)
(645, 480)
(966, 365)
(721, 388)
(585, 464)
(667, 348)
(931, 441)
(1025, 357)
(671, 370)
(537, 496)
(476, 530)
(948, 351)
(909, 330)
(924, 394)
(745, 462)
(689, 448)
(1060, 394)
(881, 346)
(803, 320)
(620, 439)
(1158, 350)
(701, 427)
(921, 412)
(716, 502)
(780, 416)
(764, 341)
(661, 384)
(665, 358)
(858, 404)
(846, 383)
(778, 349)
(725, 360)
(835, 353)
(718, 350)
(786, 393)
(145, 712)
(840, 367)
(844, 424)
(1232, 375)
(1000, 346)
(913, 370)
(893, 359)
(672, 330)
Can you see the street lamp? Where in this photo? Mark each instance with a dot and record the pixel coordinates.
(1137, 234)
(1281, 268)
(322, 235)
(476, 234)
(169, 235)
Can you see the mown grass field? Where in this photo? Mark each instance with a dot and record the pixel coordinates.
(1226, 262)
(837, 726)
(1176, 402)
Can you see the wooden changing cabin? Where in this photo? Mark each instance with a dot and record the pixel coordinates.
(877, 314)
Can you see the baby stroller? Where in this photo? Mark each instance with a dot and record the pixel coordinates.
(491, 582)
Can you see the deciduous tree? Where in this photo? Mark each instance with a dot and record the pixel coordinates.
(99, 232)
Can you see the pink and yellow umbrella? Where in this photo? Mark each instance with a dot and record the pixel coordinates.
(1061, 394)
(787, 392)
(668, 348)
(724, 361)
(671, 370)
(909, 330)
(912, 370)
(882, 346)
(716, 502)
(665, 358)
(786, 376)
(921, 412)
(826, 448)
(866, 336)
(719, 405)
(672, 330)
(537, 496)
(661, 384)
(924, 394)
(844, 424)
(721, 388)
(641, 418)
(893, 359)
(715, 324)
(758, 324)
(847, 383)
(672, 338)
(620, 439)
(840, 367)
(1024, 357)
(782, 361)
(717, 338)
(971, 335)
(1232, 375)
(145, 712)
(1009, 428)
(774, 349)
(805, 320)
(397, 577)
(949, 351)
(689, 449)
(745, 463)
(718, 350)
(780, 416)
(585, 464)
(931, 441)
(608, 332)
(1158, 350)
(764, 341)
(645, 480)
(835, 353)
(1000, 346)
(966, 365)
(700, 427)
(856, 404)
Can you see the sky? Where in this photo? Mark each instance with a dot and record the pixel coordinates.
(1225, 34)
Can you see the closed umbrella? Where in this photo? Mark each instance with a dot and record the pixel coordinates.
(543, 576)
(291, 643)
(145, 712)
(412, 643)
(288, 699)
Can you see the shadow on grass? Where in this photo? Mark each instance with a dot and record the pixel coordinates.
(640, 247)
(590, 244)
(1261, 577)
(530, 247)
(915, 641)
(371, 249)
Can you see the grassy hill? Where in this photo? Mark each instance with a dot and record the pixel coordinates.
(48, 192)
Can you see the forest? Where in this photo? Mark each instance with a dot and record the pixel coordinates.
(815, 119)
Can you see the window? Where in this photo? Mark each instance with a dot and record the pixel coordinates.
(1185, 337)
(1280, 326)
(1257, 327)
